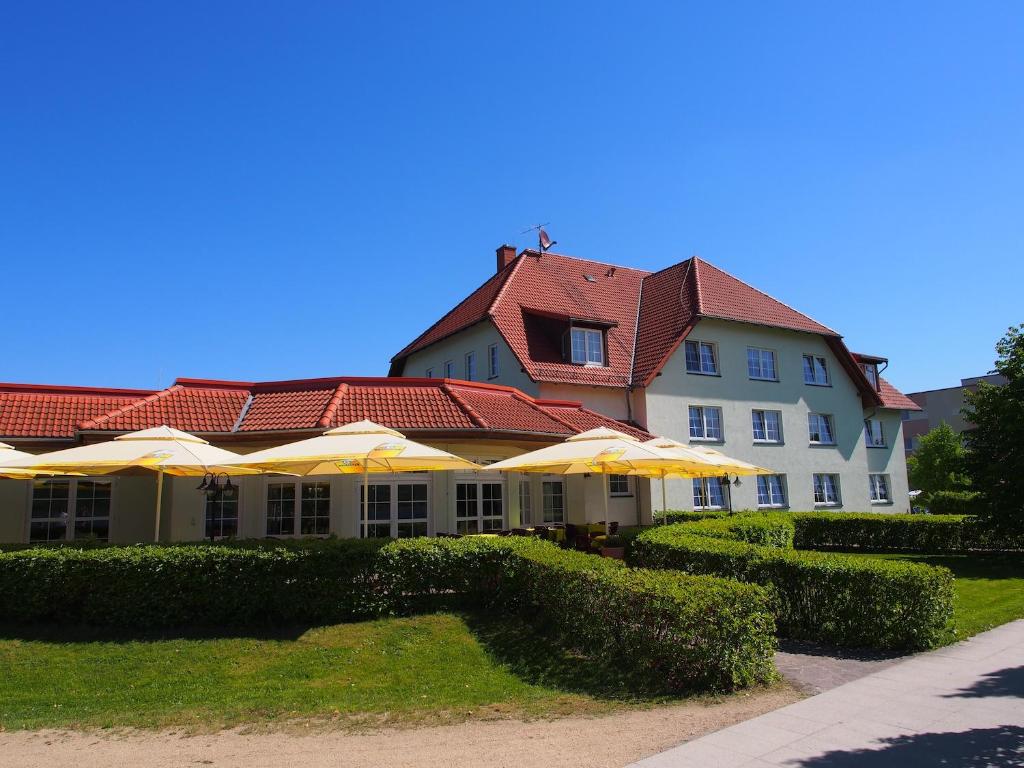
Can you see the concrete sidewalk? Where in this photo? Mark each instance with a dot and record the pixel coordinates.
(957, 706)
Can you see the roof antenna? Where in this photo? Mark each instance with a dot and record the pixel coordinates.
(544, 241)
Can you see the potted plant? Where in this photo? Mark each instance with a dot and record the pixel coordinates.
(613, 546)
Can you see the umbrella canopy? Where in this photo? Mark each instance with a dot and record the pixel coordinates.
(163, 450)
(360, 447)
(8, 454)
(604, 451)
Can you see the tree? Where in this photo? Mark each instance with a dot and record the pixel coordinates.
(938, 462)
(995, 459)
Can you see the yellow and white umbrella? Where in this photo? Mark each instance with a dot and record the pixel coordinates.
(604, 451)
(361, 447)
(8, 453)
(707, 463)
(163, 450)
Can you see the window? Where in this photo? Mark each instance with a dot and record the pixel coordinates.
(553, 501)
(766, 425)
(871, 371)
(700, 358)
(222, 515)
(879, 485)
(770, 491)
(492, 361)
(618, 485)
(478, 507)
(819, 429)
(449, 369)
(63, 509)
(815, 370)
(826, 490)
(395, 509)
(873, 434)
(430, 373)
(761, 364)
(280, 509)
(707, 493)
(587, 346)
(705, 423)
(316, 509)
(470, 366)
(525, 502)
(412, 509)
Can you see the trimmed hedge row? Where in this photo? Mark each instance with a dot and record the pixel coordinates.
(686, 632)
(815, 595)
(898, 533)
(953, 502)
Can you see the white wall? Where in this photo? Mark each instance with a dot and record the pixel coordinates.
(670, 394)
(476, 338)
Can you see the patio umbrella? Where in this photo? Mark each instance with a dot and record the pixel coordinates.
(604, 451)
(360, 447)
(8, 454)
(715, 463)
(163, 450)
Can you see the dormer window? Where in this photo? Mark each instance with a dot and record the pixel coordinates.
(871, 371)
(587, 346)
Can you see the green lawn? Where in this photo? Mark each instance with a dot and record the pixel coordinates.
(436, 668)
(989, 588)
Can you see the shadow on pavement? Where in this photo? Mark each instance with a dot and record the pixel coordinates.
(980, 748)
(1004, 682)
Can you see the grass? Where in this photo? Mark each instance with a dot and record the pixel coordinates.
(436, 668)
(989, 588)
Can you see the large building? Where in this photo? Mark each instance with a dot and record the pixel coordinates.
(479, 421)
(936, 406)
(693, 353)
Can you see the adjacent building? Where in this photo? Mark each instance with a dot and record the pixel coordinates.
(936, 406)
(693, 353)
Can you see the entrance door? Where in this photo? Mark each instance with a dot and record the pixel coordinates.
(396, 509)
(479, 507)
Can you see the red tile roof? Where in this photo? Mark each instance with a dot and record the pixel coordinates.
(34, 410)
(219, 407)
(893, 398)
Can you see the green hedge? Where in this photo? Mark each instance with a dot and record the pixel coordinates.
(143, 587)
(926, 534)
(670, 516)
(953, 502)
(686, 632)
(819, 596)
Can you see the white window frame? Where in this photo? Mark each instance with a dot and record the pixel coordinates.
(70, 517)
(620, 486)
(764, 422)
(525, 501)
(297, 499)
(702, 500)
(761, 352)
(874, 486)
(871, 373)
(470, 362)
(775, 501)
(592, 340)
(822, 418)
(430, 373)
(449, 369)
(703, 437)
(493, 364)
(837, 501)
(236, 500)
(871, 440)
(562, 495)
(484, 522)
(814, 361)
(701, 347)
(393, 522)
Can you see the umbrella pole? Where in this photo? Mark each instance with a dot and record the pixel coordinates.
(159, 500)
(664, 504)
(607, 523)
(366, 496)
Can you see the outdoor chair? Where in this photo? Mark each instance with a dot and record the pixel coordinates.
(613, 527)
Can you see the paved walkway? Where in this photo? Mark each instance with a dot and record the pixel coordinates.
(814, 668)
(957, 706)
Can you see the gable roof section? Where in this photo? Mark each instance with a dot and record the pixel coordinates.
(31, 410)
(224, 407)
(893, 398)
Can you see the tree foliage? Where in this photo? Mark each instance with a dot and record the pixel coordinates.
(995, 458)
(939, 463)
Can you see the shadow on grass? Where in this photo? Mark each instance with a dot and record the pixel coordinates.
(62, 633)
(535, 655)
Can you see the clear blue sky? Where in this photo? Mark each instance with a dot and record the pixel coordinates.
(277, 190)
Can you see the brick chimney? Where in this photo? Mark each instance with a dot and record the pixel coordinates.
(506, 253)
